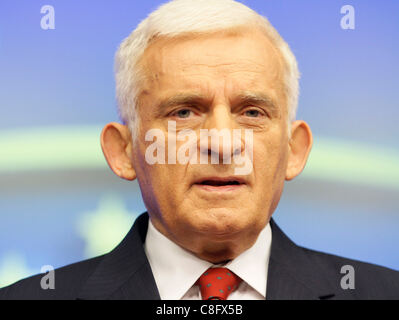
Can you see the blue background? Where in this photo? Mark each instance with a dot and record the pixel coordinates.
(60, 203)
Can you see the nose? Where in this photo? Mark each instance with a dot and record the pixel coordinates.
(220, 139)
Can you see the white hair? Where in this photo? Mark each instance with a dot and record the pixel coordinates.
(179, 17)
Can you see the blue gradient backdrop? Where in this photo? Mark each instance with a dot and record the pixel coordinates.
(64, 78)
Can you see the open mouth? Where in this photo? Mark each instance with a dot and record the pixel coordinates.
(229, 183)
(216, 183)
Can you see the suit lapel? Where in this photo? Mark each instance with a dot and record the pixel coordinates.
(125, 272)
(292, 274)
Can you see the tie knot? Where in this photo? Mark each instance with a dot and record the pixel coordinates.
(217, 283)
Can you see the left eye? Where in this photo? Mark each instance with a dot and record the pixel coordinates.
(252, 113)
(183, 113)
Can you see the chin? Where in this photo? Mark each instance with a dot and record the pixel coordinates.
(220, 223)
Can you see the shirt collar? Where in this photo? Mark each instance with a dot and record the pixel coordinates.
(252, 265)
(176, 270)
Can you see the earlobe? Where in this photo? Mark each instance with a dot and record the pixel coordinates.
(299, 148)
(116, 144)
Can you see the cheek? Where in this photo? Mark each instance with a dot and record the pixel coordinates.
(161, 181)
(270, 159)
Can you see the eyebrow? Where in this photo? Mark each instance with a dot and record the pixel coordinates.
(246, 97)
(179, 99)
(260, 98)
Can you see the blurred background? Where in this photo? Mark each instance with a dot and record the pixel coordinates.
(60, 203)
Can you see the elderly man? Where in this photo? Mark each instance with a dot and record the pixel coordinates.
(205, 89)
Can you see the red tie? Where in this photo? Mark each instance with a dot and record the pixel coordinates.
(217, 283)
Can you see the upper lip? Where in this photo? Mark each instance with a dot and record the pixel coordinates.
(220, 180)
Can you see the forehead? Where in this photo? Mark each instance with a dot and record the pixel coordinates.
(212, 64)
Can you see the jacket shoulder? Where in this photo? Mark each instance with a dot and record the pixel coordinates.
(370, 281)
(67, 282)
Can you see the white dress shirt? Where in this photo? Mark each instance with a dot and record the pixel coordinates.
(176, 270)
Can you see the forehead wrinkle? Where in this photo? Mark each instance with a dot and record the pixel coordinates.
(239, 64)
(161, 48)
(245, 68)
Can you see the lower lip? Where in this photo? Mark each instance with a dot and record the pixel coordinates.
(226, 188)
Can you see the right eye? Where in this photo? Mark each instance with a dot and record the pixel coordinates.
(182, 113)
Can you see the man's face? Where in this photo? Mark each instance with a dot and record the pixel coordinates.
(193, 204)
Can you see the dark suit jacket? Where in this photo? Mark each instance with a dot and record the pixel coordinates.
(294, 273)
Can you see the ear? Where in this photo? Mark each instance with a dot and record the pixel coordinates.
(116, 143)
(300, 145)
